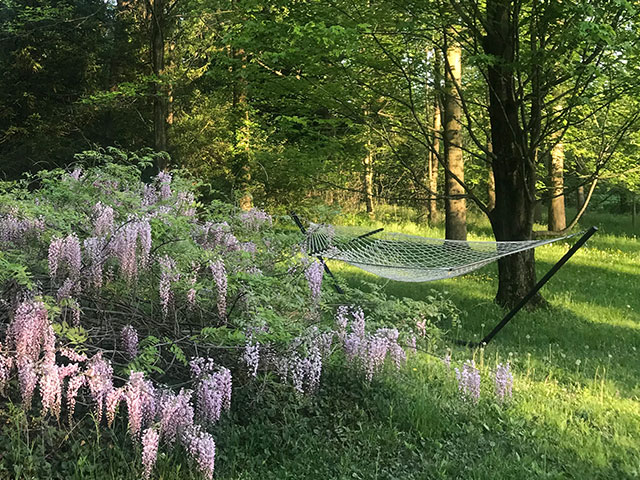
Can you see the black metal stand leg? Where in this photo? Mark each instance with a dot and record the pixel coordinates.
(537, 288)
(326, 268)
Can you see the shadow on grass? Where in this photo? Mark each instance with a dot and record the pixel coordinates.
(412, 425)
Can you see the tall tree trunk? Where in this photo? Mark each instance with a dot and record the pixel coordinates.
(160, 98)
(434, 214)
(491, 187)
(557, 219)
(367, 178)
(242, 131)
(580, 196)
(455, 202)
(513, 165)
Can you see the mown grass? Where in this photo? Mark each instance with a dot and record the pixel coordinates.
(575, 412)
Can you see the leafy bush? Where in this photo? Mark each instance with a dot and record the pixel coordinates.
(119, 293)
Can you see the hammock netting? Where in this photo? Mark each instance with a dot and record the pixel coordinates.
(409, 258)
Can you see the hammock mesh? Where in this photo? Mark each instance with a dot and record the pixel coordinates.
(409, 258)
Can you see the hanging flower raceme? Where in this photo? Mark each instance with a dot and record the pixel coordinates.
(103, 216)
(163, 180)
(129, 339)
(140, 398)
(176, 413)
(469, 381)
(168, 276)
(220, 278)
(65, 252)
(19, 230)
(150, 442)
(314, 274)
(29, 335)
(251, 357)
(99, 376)
(213, 389)
(131, 246)
(503, 382)
(218, 236)
(255, 219)
(202, 449)
(95, 252)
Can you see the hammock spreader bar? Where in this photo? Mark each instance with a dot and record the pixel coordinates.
(424, 259)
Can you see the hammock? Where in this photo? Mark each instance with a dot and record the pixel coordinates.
(409, 258)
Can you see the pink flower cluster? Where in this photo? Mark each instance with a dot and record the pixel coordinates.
(503, 382)
(131, 245)
(469, 381)
(129, 339)
(17, 230)
(220, 278)
(163, 181)
(371, 350)
(103, 217)
(168, 276)
(314, 274)
(255, 219)
(65, 252)
(218, 236)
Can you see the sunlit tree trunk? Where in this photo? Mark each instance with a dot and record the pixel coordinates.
(580, 196)
(242, 131)
(455, 202)
(557, 219)
(367, 178)
(434, 214)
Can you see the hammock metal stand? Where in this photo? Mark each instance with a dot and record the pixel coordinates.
(512, 313)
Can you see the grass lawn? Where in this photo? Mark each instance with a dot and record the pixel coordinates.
(576, 406)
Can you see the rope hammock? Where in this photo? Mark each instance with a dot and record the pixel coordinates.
(409, 258)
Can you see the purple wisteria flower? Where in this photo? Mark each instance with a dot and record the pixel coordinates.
(220, 278)
(168, 276)
(314, 273)
(255, 219)
(129, 339)
(251, 357)
(469, 381)
(150, 442)
(503, 382)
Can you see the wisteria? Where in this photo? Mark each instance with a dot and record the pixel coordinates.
(251, 357)
(503, 379)
(163, 181)
(314, 274)
(219, 273)
(131, 245)
(176, 413)
(100, 380)
(168, 276)
(129, 339)
(65, 252)
(218, 236)
(469, 381)
(95, 251)
(103, 219)
(255, 219)
(18, 230)
(202, 448)
(150, 442)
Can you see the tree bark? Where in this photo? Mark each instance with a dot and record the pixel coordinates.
(557, 219)
(491, 191)
(513, 165)
(242, 135)
(156, 9)
(367, 178)
(455, 202)
(580, 196)
(434, 214)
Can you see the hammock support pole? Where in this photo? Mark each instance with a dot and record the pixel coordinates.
(326, 268)
(535, 289)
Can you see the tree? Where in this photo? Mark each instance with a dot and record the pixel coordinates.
(455, 202)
